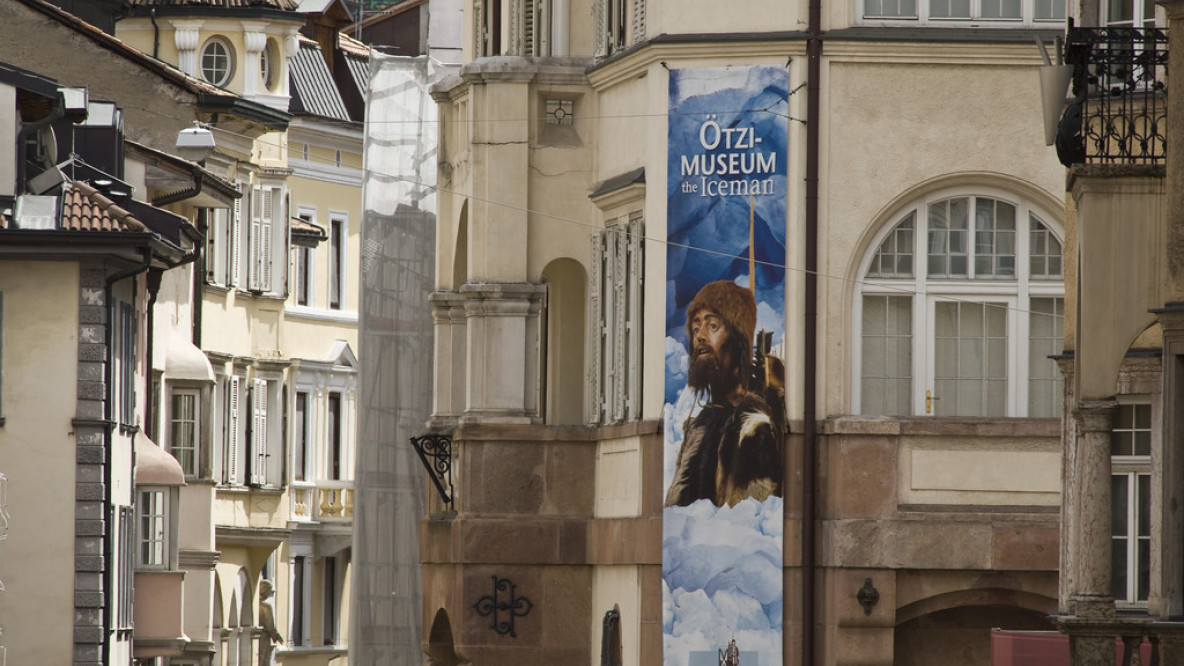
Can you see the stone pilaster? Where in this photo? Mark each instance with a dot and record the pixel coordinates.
(448, 393)
(502, 353)
(1174, 158)
(1091, 593)
(1167, 483)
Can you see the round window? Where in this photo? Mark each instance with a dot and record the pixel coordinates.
(217, 62)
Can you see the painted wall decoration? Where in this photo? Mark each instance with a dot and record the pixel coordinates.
(724, 416)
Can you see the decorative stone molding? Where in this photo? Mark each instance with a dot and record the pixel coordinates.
(187, 38)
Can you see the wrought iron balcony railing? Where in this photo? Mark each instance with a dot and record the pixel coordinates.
(1119, 110)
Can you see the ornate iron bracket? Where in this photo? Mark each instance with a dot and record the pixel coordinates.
(516, 606)
(435, 452)
(868, 596)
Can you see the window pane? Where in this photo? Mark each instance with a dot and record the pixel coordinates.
(183, 436)
(887, 361)
(890, 8)
(994, 238)
(894, 259)
(1131, 432)
(970, 359)
(1045, 339)
(949, 8)
(949, 238)
(1049, 10)
(1044, 252)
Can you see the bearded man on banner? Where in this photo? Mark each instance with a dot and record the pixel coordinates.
(734, 447)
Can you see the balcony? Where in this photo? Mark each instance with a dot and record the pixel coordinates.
(323, 501)
(1118, 114)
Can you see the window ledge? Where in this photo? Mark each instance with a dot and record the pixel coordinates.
(321, 314)
(941, 426)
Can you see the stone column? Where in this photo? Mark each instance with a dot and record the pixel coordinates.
(1091, 596)
(502, 355)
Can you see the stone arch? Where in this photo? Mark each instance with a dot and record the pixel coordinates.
(564, 340)
(441, 650)
(955, 627)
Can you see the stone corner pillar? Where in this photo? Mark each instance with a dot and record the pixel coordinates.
(448, 389)
(503, 334)
(1090, 596)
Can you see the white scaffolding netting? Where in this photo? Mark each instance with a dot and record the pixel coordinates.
(398, 250)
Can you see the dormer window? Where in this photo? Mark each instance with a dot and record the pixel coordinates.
(217, 62)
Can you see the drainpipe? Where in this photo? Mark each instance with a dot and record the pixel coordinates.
(810, 337)
(108, 415)
(155, 33)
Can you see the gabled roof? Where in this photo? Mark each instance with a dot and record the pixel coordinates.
(313, 89)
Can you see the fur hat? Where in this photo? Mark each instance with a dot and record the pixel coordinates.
(735, 304)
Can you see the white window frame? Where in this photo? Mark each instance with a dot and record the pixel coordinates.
(153, 527)
(922, 17)
(338, 267)
(925, 292)
(330, 600)
(1133, 467)
(178, 448)
(220, 245)
(302, 426)
(616, 292)
(300, 593)
(1139, 9)
(304, 280)
(225, 76)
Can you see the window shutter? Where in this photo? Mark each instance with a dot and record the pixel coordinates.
(620, 370)
(232, 437)
(259, 432)
(253, 246)
(636, 276)
(638, 20)
(595, 314)
(266, 221)
(234, 242)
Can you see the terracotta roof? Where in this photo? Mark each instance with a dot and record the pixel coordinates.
(286, 5)
(352, 46)
(300, 226)
(86, 209)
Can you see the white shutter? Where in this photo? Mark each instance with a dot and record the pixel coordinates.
(620, 369)
(265, 226)
(595, 316)
(259, 432)
(235, 242)
(636, 277)
(232, 437)
(638, 21)
(253, 240)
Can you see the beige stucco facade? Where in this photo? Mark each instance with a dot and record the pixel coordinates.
(953, 520)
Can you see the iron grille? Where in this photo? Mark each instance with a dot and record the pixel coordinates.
(1119, 110)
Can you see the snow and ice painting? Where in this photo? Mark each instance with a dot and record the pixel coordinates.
(724, 427)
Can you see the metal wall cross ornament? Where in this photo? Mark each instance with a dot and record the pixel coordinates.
(495, 604)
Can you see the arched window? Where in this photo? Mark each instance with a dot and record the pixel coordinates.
(959, 308)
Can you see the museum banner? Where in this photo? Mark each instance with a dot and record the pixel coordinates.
(725, 421)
